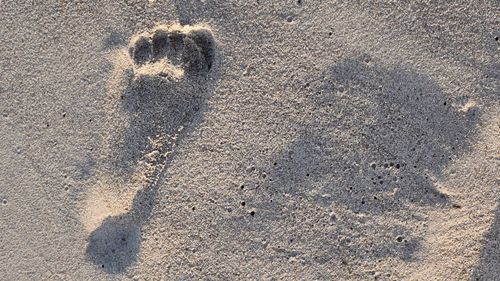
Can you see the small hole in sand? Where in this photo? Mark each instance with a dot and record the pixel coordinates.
(252, 213)
(399, 238)
(243, 203)
(4, 201)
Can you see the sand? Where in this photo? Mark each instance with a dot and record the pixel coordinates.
(249, 140)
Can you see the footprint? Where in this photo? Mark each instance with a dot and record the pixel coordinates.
(173, 51)
(163, 101)
(114, 245)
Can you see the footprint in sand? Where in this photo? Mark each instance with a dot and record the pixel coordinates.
(173, 51)
(164, 99)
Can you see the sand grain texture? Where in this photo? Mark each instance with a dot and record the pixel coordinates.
(249, 140)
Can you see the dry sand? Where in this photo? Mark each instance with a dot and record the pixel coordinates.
(249, 140)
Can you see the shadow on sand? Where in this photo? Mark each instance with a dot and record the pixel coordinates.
(378, 140)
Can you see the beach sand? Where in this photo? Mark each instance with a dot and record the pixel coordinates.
(249, 140)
